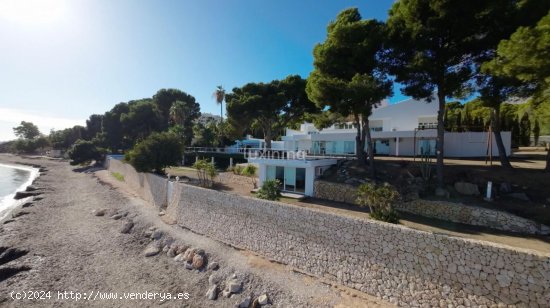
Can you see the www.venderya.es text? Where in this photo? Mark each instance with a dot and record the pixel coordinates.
(96, 295)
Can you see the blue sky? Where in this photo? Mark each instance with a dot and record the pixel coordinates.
(63, 60)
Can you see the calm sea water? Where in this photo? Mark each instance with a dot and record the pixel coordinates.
(13, 179)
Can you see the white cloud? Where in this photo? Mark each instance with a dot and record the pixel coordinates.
(10, 118)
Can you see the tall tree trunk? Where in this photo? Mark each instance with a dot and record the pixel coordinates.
(267, 137)
(221, 111)
(370, 147)
(359, 142)
(547, 161)
(495, 124)
(440, 138)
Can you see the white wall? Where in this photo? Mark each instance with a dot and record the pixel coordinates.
(473, 144)
(403, 116)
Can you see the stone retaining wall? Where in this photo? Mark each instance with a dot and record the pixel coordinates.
(230, 177)
(450, 211)
(473, 215)
(335, 192)
(150, 187)
(404, 266)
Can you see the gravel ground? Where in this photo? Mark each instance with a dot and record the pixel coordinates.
(56, 244)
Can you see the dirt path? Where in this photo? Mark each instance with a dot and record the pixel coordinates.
(58, 245)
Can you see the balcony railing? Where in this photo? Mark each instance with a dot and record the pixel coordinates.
(264, 153)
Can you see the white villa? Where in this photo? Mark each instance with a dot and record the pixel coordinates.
(407, 128)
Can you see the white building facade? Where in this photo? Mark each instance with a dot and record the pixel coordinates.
(407, 128)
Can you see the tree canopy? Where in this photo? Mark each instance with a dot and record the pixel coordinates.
(347, 77)
(156, 152)
(271, 106)
(26, 130)
(164, 98)
(434, 46)
(526, 56)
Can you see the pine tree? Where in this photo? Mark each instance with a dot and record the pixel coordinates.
(525, 130)
(515, 132)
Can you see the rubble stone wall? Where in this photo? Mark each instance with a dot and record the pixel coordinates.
(444, 210)
(404, 266)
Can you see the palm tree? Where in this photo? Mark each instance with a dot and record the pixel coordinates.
(219, 96)
(177, 112)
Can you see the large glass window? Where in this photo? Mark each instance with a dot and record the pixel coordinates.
(349, 147)
(300, 180)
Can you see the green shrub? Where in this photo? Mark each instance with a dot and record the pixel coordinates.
(156, 152)
(83, 151)
(28, 146)
(206, 172)
(238, 170)
(379, 199)
(269, 190)
(249, 170)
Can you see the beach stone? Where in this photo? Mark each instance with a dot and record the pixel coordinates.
(212, 293)
(100, 212)
(31, 188)
(468, 189)
(189, 254)
(179, 258)
(226, 293)
(156, 234)
(213, 266)
(182, 249)
(152, 250)
(171, 253)
(127, 227)
(25, 194)
(233, 285)
(162, 213)
(188, 266)
(262, 300)
(28, 204)
(19, 214)
(198, 261)
(255, 303)
(214, 279)
(117, 216)
(245, 303)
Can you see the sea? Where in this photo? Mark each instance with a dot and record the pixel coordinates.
(13, 179)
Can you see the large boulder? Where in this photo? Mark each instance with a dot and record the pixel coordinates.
(25, 194)
(468, 189)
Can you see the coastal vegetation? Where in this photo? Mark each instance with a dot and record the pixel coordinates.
(84, 151)
(272, 106)
(206, 171)
(156, 152)
(348, 78)
(380, 200)
(270, 190)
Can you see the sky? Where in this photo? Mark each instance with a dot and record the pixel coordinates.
(63, 60)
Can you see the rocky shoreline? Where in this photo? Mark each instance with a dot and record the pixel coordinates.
(83, 233)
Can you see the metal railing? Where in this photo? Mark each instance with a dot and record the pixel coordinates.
(265, 153)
